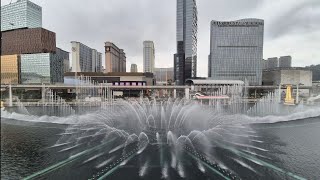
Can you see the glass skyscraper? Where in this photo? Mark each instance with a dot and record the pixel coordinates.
(20, 14)
(236, 50)
(47, 68)
(185, 60)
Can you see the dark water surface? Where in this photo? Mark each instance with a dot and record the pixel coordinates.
(293, 146)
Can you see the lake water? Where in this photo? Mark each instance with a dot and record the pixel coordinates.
(293, 152)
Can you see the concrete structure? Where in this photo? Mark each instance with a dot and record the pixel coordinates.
(316, 87)
(134, 68)
(85, 59)
(236, 50)
(185, 60)
(28, 41)
(148, 56)
(272, 63)
(10, 69)
(285, 62)
(20, 14)
(293, 76)
(210, 86)
(41, 68)
(115, 58)
(117, 78)
(163, 75)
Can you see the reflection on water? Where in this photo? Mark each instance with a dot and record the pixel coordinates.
(293, 146)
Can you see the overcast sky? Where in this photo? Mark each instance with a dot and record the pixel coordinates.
(292, 27)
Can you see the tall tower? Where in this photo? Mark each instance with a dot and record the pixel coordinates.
(185, 60)
(148, 56)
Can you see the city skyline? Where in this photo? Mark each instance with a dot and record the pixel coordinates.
(282, 34)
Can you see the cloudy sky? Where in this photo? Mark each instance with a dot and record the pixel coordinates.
(292, 27)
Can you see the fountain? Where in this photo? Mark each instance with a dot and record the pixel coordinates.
(216, 138)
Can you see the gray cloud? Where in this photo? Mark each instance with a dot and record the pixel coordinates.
(301, 18)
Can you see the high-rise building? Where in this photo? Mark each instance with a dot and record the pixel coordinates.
(85, 59)
(47, 68)
(10, 69)
(148, 56)
(115, 58)
(236, 50)
(185, 60)
(21, 14)
(134, 68)
(96, 61)
(285, 61)
(26, 41)
(123, 61)
(272, 63)
(64, 55)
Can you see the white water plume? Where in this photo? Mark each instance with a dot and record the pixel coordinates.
(165, 171)
(173, 125)
(143, 169)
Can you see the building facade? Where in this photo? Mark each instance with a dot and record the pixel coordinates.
(115, 58)
(185, 60)
(123, 61)
(85, 59)
(26, 41)
(20, 14)
(294, 76)
(96, 61)
(236, 50)
(285, 61)
(163, 75)
(64, 55)
(148, 56)
(134, 68)
(272, 62)
(10, 69)
(47, 68)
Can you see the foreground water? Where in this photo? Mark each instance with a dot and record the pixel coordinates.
(293, 147)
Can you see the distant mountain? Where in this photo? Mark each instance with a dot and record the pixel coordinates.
(315, 72)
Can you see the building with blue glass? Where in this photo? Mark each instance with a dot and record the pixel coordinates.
(21, 14)
(185, 60)
(46, 68)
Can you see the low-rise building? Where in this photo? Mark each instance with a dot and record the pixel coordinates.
(293, 76)
(116, 78)
(10, 69)
(123, 79)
